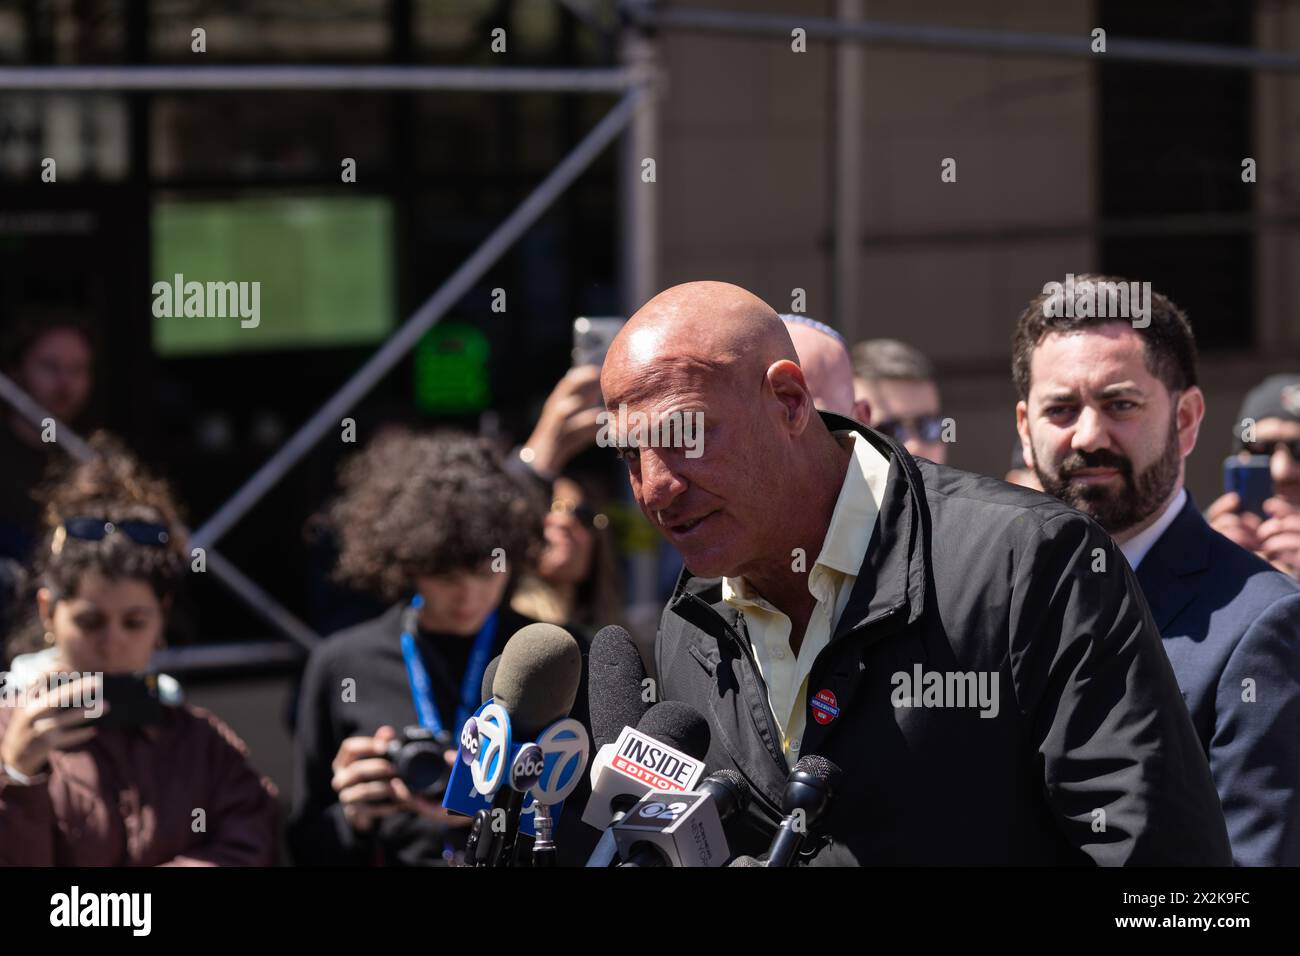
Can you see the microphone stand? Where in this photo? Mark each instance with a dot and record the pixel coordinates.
(471, 843)
(544, 852)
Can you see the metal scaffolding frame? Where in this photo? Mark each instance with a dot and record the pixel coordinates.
(632, 83)
(364, 78)
(958, 39)
(633, 116)
(423, 319)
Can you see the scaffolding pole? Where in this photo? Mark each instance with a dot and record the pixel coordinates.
(639, 268)
(960, 39)
(847, 206)
(330, 414)
(355, 78)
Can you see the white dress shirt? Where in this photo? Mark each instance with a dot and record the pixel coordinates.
(1136, 548)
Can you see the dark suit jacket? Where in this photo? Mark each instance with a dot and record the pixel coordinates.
(1231, 628)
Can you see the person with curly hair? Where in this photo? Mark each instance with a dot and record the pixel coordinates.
(80, 783)
(434, 524)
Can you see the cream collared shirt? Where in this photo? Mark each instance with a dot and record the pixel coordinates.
(830, 581)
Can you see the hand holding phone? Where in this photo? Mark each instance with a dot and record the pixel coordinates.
(1249, 478)
(133, 701)
(570, 420)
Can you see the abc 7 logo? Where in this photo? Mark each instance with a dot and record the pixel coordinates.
(469, 740)
(489, 767)
(527, 767)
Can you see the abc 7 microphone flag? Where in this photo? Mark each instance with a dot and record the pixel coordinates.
(546, 770)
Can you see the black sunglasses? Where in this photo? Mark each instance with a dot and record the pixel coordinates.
(924, 427)
(97, 529)
(587, 516)
(1268, 447)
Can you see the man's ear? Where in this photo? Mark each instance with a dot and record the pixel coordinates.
(1022, 428)
(785, 379)
(1191, 412)
(45, 607)
(862, 411)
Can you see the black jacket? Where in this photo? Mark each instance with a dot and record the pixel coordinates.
(1091, 756)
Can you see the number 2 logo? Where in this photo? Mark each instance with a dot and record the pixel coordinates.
(661, 811)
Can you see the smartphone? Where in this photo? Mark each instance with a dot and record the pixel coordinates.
(133, 701)
(1249, 477)
(592, 337)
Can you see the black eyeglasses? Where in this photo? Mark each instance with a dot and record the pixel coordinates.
(86, 528)
(1268, 447)
(923, 427)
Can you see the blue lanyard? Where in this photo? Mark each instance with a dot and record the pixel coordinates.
(418, 676)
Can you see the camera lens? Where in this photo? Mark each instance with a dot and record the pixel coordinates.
(420, 764)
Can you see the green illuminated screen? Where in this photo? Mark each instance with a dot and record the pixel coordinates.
(451, 370)
(325, 268)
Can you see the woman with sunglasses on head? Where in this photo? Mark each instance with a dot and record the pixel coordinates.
(100, 764)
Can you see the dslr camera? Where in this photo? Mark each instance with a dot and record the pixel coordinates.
(416, 756)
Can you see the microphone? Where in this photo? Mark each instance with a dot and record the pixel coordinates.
(538, 677)
(680, 725)
(660, 754)
(535, 684)
(743, 861)
(489, 675)
(682, 829)
(808, 792)
(618, 774)
(615, 684)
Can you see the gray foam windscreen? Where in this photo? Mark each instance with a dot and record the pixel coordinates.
(537, 679)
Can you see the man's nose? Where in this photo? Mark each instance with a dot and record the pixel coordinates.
(660, 484)
(1283, 466)
(1089, 431)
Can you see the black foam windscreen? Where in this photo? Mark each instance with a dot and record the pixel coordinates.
(615, 684)
(729, 791)
(489, 675)
(678, 725)
(819, 767)
(537, 679)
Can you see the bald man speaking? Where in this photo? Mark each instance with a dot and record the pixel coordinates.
(976, 657)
